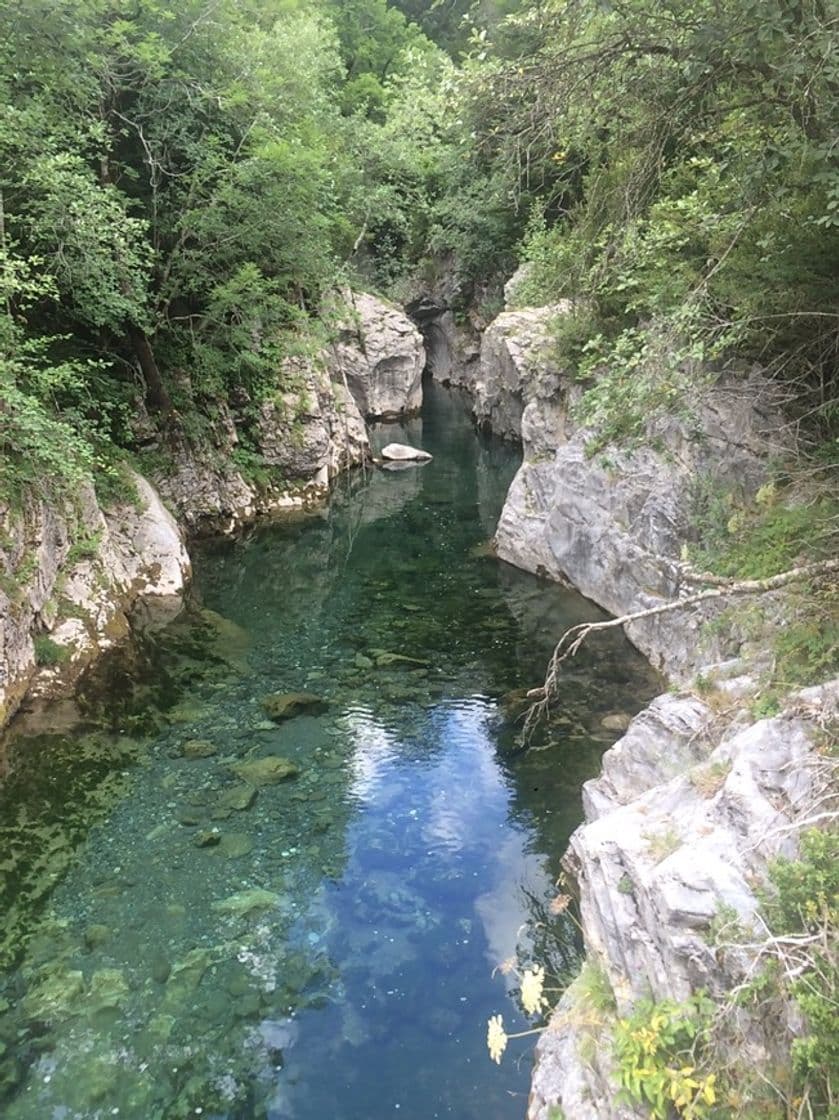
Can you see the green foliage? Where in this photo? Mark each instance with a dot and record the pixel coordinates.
(757, 538)
(662, 843)
(660, 1050)
(806, 901)
(47, 652)
(677, 164)
(807, 650)
(85, 546)
(178, 187)
(709, 780)
(594, 990)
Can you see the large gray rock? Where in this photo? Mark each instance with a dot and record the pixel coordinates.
(75, 581)
(314, 432)
(614, 524)
(379, 356)
(516, 365)
(660, 856)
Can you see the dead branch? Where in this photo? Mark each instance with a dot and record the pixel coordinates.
(573, 638)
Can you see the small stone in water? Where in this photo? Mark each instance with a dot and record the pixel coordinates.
(286, 705)
(197, 748)
(96, 935)
(616, 721)
(266, 771)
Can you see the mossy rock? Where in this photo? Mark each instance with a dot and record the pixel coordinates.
(286, 705)
(243, 903)
(56, 997)
(237, 798)
(616, 721)
(108, 989)
(96, 935)
(198, 748)
(384, 657)
(266, 771)
(234, 845)
(187, 974)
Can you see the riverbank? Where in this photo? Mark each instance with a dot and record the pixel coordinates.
(718, 778)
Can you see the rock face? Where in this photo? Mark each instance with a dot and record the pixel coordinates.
(452, 340)
(379, 356)
(614, 524)
(681, 824)
(305, 437)
(305, 434)
(515, 367)
(689, 807)
(72, 584)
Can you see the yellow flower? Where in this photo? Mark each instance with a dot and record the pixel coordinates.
(496, 1038)
(559, 904)
(531, 990)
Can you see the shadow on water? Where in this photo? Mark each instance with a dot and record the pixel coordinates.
(211, 911)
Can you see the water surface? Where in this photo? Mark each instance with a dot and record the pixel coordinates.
(182, 940)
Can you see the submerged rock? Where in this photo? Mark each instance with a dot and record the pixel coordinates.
(234, 845)
(384, 658)
(56, 997)
(266, 771)
(286, 705)
(247, 902)
(187, 974)
(616, 721)
(96, 935)
(198, 748)
(237, 799)
(108, 989)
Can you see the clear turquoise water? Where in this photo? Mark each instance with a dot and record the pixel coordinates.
(416, 850)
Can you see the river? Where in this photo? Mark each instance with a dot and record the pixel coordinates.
(185, 935)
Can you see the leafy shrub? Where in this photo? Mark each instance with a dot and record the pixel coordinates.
(806, 902)
(659, 1049)
(49, 652)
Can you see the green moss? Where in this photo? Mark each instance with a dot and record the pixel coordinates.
(49, 652)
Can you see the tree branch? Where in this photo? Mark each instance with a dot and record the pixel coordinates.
(573, 638)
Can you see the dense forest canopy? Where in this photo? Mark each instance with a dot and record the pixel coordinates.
(181, 184)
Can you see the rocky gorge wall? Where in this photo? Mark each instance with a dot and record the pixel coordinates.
(696, 798)
(75, 577)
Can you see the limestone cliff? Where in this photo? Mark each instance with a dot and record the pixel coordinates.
(73, 577)
(691, 803)
(307, 432)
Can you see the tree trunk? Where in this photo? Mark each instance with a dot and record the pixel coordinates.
(157, 398)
